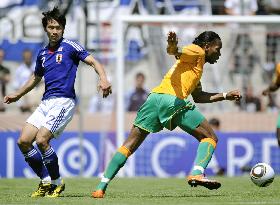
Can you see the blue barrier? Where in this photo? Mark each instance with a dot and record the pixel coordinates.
(165, 154)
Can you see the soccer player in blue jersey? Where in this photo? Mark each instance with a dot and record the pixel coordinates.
(57, 63)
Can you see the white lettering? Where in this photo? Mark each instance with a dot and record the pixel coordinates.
(156, 153)
(234, 161)
(10, 157)
(266, 149)
(213, 164)
(72, 153)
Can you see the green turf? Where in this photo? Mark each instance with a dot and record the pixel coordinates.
(132, 191)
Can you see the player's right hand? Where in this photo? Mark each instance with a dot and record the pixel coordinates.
(11, 98)
(234, 95)
(172, 40)
(106, 88)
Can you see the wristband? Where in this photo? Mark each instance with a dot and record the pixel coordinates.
(225, 95)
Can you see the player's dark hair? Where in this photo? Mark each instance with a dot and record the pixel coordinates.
(206, 37)
(54, 14)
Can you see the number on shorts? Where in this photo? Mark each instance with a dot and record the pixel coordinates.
(50, 121)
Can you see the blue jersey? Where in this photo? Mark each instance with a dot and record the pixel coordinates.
(59, 67)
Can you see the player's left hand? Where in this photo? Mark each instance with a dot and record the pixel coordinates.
(172, 43)
(106, 87)
(234, 95)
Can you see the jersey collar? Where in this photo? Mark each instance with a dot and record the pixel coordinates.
(52, 49)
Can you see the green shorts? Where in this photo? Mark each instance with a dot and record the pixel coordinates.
(278, 121)
(163, 110)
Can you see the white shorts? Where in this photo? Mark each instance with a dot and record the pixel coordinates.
(54, 114)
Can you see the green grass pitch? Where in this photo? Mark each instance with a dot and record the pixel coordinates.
(132, 191)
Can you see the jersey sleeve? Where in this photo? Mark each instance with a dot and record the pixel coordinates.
(39, 70)
(78, 51)
(191, 54)
(276, 77)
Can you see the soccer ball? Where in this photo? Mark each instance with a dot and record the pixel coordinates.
(262, 174)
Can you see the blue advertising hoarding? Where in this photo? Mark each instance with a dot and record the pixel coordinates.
(164, 154)
(67, 147)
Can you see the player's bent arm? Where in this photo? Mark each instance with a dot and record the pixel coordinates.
(173, 51)
(273, 87)
(104, 84)
(96, 65)
(204, 97)
(200, 96)
(172, 45)
(275, 84)
(28, 86)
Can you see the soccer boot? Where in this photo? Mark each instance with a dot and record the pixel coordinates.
(56, 190)
(42, 190)
(98, 194)
(201, 180)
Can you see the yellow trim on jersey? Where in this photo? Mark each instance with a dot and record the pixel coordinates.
(185, 74)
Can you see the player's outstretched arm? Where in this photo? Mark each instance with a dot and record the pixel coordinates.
(199, 96)
(29, 85)
(275, 83)
(172, 45)
(104, 83)
(232, 95)
(271, 88)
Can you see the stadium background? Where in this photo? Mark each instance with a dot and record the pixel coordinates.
(245, 136)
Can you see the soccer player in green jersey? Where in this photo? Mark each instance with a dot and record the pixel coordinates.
(275, 84)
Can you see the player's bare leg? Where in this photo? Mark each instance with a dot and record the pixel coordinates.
(34, 159)
(50, 161)
(278, 135)
(134, 140)
(208, 140)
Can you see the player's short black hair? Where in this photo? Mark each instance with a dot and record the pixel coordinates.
(54, 14)
(206, 37)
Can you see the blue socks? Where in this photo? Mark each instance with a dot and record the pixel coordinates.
(34, 159)
(51, 162)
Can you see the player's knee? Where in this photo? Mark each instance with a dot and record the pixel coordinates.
(210, 135)
(278, 132)
(215, 138)
(42, 143)
(125, 151)
(23, 144)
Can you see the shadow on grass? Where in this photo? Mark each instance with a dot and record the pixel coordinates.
(112, 195)
(180, 196)
(76, 195)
